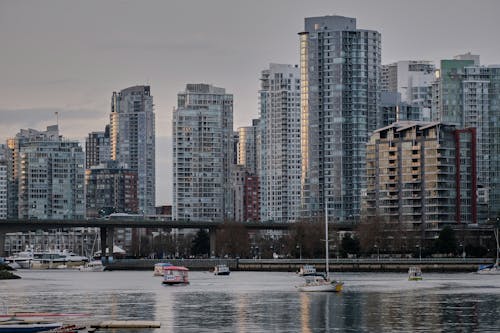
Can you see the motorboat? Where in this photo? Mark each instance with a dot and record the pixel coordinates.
(92, 266)
(318, 282)
(175, 275)
(14, 324)
(158, 269)
(414, 273)
(306, 270)
(221, 269)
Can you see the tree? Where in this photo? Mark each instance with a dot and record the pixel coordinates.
(349, 245)
(447, 241)
(201, 243)
(232, 240)
(305, 239)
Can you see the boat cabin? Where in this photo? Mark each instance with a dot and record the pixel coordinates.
(175, 275)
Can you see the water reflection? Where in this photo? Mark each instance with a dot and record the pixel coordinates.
(262, 302)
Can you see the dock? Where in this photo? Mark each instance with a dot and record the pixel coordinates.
(127, 324)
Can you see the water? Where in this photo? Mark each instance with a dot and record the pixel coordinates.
(264, 301)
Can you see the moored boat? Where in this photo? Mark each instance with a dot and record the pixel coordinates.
(221, 269)
(414, 273)
(158, 269)
(13, 325)
(92, 266)
(306, 270)
(175, 275)
(318, 282)
(492, 268)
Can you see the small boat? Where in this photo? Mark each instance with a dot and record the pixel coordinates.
(489, 269)
(175, 275)
(306, 270)
(14, 324)
(221, 269)
(158, 270)
(92, 266)
(414, 273)
(318, 282)
(492, 268)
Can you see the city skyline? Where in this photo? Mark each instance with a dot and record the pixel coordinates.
(85, 51)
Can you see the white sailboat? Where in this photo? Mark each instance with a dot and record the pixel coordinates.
(319, 282)
(492, 268)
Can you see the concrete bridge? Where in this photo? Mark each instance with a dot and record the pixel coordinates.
(107, 227)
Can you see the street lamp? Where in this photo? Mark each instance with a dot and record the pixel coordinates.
(378, 251)
(300, 250)
(419, 252)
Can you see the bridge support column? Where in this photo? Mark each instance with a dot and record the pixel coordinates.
(212, 232)
(110, 243)
(103, 231)
(2, 243)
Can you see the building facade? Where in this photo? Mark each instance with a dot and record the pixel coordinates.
(132, 136)
(3, 187)
(110, 188)
(202, 154)
(279, 168)
(97, 148)
(248, 143)
(468, 95)
(411, 78)
(49, 173)
(340, 98)
(421, 176)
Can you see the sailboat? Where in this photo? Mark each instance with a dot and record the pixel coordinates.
(492, 268)
(319, 282)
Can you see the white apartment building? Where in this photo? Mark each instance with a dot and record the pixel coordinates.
(202, 153)
(411, 78)
(48, 177)
(279, 171)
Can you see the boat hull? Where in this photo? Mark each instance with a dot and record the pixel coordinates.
(28, 327)
(322, 287)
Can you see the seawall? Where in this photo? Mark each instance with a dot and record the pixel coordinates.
(293, 265)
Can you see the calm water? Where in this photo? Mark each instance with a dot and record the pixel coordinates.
(265, 302)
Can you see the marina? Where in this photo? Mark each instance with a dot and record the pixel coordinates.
(370, 302)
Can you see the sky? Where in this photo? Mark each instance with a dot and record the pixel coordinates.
(69, 56)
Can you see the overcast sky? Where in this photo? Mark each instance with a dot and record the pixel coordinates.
(70, 56)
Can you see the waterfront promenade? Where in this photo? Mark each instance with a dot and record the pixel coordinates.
(293, 265)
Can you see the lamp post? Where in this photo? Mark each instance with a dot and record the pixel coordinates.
(299, 246)
(419, 252)
(378, 251)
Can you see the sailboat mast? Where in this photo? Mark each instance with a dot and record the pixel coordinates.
(326, 238)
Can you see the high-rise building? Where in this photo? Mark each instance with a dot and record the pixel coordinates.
(132, 135)
(202, 153)
(3, 183)
(467, 95)
(97, 148)
(247, 146)
(340, 98)
(48, 172)
(279, 170)
(411, 78)
(421, 175)
(110, 188)
(393, 110)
